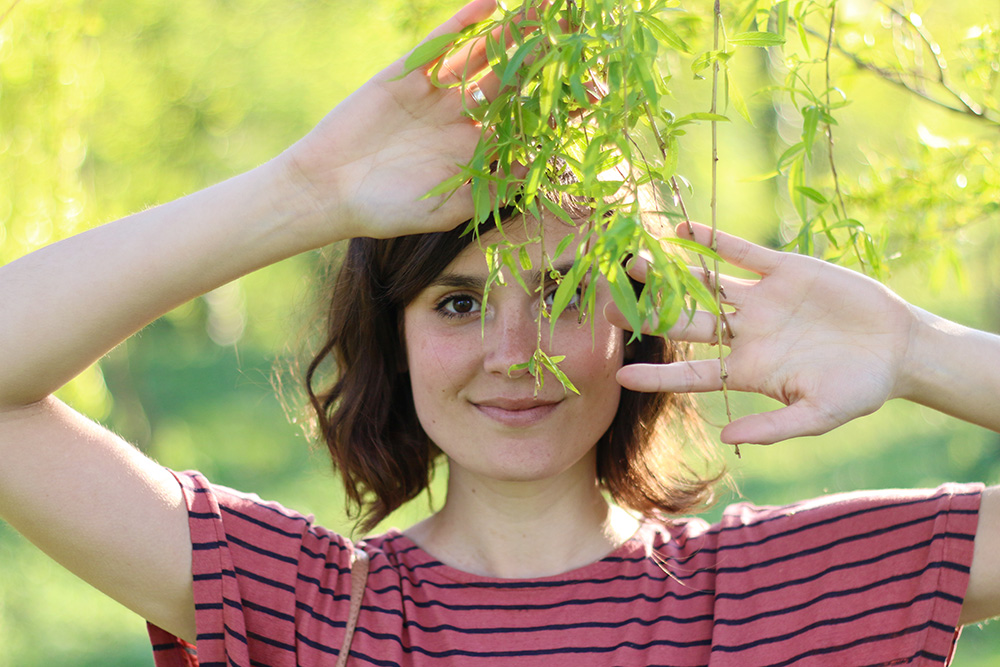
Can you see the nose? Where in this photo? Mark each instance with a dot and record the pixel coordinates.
(509, 338)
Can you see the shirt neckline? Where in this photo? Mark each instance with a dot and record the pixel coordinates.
(634, 548)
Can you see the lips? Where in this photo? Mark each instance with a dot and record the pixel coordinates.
(516, 412)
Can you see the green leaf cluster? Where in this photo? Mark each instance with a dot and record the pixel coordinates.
(583, 132)
(589, 109)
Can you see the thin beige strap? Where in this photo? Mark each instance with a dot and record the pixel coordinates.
(359, 578)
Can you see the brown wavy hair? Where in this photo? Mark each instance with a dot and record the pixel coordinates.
(366, 417)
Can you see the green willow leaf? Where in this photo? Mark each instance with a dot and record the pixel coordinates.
(665, 34)
(565, 241)
(810, 123)
(524, 258)
(566, 290)
(707, 59)
(762, 39)
(735, 97)
(429, 51)
(516, 60)
(552, 364)
(692, 246)
(796, 180)
(813, 194)
(790, 155)
(701, 115)
(781, 17)
(551, 87)
(624, 297)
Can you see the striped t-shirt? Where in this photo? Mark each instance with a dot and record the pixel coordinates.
(848, 580)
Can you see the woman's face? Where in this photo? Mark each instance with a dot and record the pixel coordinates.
(489, 421)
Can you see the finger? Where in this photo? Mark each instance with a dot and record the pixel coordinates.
(473, 58)
(732, 290)
(440, 72)
(637, 267)
(477, 10)
(455, 208)
(697, 327)
(475, 96)
(678, 377)
(738, 252)
(796, 420)
(467, 63)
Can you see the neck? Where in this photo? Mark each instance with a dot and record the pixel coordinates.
(523, 530)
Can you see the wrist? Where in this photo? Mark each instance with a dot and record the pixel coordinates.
(315, 215)
(927, 368)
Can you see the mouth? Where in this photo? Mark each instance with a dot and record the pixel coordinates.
(517, 413)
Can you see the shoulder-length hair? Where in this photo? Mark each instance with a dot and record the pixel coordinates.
(366, 416)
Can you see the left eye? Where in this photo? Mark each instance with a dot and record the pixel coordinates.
(574, 301)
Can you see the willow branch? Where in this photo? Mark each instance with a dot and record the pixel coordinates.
(720, 323)
(829, 135)
(968, 108)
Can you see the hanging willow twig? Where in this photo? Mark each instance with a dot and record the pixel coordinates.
(965, 105)
(721, 324)
(829, 139)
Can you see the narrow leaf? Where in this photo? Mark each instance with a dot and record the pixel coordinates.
(815, 195)
(665, 34)
(810, 122)
(701, 115)
(762, 39)
(624, 296)
(790, 155)
(734, 96)
(429, 51)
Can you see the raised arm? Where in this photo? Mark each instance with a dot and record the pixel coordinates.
(833, 345)
(87, 498)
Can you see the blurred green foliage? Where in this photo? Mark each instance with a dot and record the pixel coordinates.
(111, 106)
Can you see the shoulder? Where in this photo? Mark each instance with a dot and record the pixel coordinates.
(887, 509)
(866, 519)
(256, 534)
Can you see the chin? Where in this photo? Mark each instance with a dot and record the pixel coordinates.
(531, 466)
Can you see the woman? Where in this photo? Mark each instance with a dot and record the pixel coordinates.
(526, 562)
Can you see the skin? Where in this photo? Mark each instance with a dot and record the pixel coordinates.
(363, 171)
(833, 345)
(521, 463)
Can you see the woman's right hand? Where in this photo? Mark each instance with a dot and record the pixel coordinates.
(364, 170)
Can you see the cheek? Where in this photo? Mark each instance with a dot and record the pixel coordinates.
(438, 362)
(592, 361)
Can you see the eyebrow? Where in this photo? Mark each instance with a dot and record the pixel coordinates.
(452, 280)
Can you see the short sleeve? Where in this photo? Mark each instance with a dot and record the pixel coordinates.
(860, 578)
(261, 573)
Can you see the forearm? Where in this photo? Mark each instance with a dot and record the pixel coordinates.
(66, 305)
(953, 369)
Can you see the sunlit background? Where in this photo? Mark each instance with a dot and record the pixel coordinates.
(113, 106)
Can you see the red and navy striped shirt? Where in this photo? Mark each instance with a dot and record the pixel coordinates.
(852, 579)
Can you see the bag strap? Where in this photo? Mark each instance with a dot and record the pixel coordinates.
(359, 578)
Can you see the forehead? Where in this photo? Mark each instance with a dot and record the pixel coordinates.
(524, 236)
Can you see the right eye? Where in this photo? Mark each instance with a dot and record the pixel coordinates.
(458, 305)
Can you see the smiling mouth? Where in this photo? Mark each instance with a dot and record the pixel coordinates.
(517, 414)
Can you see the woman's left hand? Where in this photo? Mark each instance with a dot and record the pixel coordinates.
(827, 342)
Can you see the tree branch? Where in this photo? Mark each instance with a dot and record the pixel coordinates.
(968, 108)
